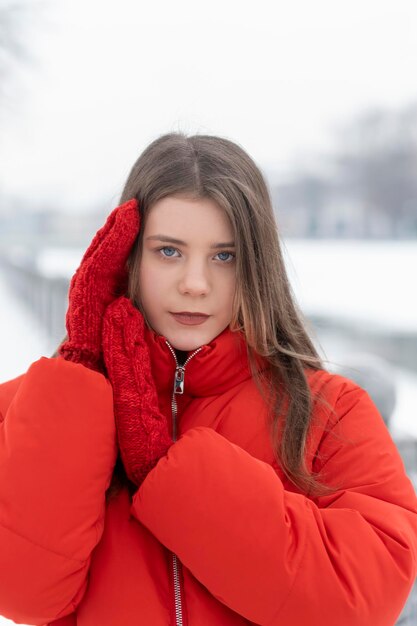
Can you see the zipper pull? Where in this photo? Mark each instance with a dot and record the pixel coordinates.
(179, 380)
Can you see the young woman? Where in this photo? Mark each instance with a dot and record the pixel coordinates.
(186, 459)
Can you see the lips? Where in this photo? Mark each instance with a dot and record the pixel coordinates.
(189, 318)
(189, 313)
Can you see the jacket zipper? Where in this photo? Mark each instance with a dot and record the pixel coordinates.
(178, 388)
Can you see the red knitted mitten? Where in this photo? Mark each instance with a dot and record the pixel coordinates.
(142, 430)
(101, 277)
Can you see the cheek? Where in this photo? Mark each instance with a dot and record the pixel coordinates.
(155, 282)
(230, 286)
(149, 284)
(228, 292)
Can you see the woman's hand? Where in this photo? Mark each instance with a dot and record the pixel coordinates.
(101, 277)
(142, 430)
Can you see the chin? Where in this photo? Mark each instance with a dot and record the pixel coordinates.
(190, 338)
(186, 346)
(189, 341)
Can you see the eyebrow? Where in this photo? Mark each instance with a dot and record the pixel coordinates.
(179, 242)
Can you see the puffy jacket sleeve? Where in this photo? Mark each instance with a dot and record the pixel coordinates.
(276, 556)
(57, 453)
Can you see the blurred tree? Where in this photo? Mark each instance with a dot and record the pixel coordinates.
(378, 164)
(306, 192)
(12, 48)
(368, 187)
(17, 17)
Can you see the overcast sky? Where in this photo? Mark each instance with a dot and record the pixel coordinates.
(278, 77)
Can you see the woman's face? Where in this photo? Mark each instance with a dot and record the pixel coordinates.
(187, 265)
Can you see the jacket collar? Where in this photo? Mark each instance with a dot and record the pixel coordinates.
(215, 368)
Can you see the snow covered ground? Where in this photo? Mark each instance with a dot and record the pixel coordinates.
(22, 341)
(368, 282)
(364, 282)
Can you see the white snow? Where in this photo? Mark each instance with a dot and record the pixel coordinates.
(369, 282)
(404, 417)
(58, 262)
(364, 282)
(22, 341)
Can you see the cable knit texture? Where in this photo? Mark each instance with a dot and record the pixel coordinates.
(142, 430)
(106, 334)
(101, 277)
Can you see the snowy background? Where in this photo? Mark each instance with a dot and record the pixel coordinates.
(86, 85)
(363, 284)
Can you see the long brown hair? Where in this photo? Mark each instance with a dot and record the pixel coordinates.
(204, 166)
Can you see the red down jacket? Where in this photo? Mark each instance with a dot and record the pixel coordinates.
(216, 535)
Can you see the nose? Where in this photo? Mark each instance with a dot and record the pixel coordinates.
(194, 280)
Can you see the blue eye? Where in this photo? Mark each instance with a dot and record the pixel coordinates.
(169, 252)
(228, 254)
(167, 248)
